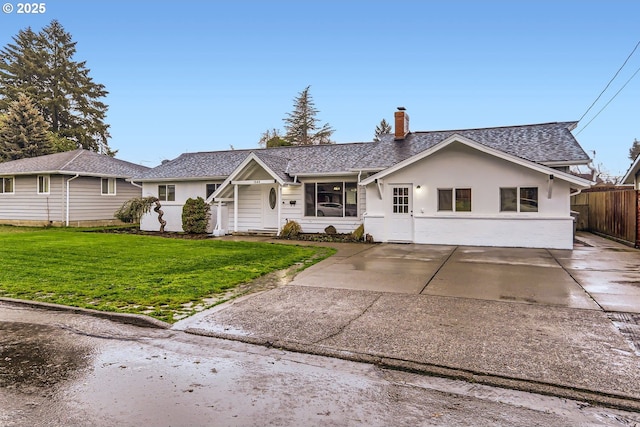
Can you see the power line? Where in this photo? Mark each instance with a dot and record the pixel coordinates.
(610, 81)
(605, 105)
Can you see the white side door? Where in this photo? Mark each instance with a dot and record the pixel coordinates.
(400, 228)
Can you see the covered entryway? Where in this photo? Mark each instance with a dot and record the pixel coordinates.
(253, 193)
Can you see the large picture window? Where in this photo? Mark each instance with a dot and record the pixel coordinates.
(6, 185)
(462, 199)
(523, 199)
(167, 193)
(335, 199)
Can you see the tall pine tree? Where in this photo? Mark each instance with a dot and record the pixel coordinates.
(301, 125)
(383, 128)
(42, 65)
(23, 131)
(634, 151)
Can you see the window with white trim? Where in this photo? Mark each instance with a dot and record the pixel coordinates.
(7, 185)
(43, 184)
(108, 186)
(336, 199)
(210, 189)
(462, 199)
(167, 193)
(519, 199)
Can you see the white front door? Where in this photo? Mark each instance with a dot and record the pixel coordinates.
(269, 206)
(400, 228)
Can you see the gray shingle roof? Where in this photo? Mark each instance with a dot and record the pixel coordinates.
(211, 164)
(79, 161)
(541, 143)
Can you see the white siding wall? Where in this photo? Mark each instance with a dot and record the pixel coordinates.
(459, 166)
(250, 208)
(173, 210)
(251, 205)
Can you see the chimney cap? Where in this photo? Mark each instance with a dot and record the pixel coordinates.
(401, 109)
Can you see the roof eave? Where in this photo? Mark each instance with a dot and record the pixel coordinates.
(629, 177)
(321, 174)
(556, 163)
(188, 178)
(69, 173)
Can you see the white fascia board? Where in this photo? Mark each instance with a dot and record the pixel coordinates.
(580, 182)
(629, 177)
(183, 179)
(323, 174)
(566, 163)
(67, 173)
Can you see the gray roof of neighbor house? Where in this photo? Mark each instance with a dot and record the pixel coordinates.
(546, 143)
(83, 162)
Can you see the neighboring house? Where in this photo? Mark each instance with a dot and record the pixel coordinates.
(73, 188)
(504, 186)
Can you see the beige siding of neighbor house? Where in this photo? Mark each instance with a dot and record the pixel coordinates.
(26, 206)
(87, 203)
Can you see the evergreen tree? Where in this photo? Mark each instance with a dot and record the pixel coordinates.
(42, 65)
(272, 138)
(23, 133)
(634, 150)
(382, 129)
(301, 124)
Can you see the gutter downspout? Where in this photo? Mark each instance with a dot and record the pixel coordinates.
(135, 185)
(68, 181)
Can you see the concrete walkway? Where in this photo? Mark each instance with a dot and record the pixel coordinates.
(521, 318)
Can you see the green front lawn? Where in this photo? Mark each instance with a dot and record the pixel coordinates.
(133, 273)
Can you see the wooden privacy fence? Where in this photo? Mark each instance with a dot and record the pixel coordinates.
(612, 212)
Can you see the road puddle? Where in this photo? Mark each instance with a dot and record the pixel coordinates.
(35, 357)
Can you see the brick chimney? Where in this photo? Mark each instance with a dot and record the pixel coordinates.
(402, 124)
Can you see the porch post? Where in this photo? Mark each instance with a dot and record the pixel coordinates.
(279, 207)
(235, 208)
(218, 218)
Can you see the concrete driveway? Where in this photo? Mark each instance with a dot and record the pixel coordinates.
(530, 319)
(598, 274)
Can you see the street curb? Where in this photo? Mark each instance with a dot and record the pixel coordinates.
(126, 318)
(622, 402)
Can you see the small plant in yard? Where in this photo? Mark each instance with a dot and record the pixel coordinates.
(195, 216)
(358, 233)
(132, 210)
(290, 230)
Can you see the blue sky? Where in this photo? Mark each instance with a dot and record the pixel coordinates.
(200, 76)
